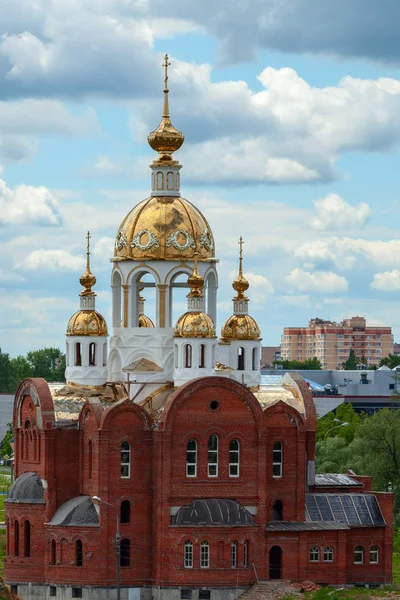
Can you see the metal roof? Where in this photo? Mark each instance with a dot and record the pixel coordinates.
(355, 510)
(27, 488)
(213, 513)
(304, 526)
(335, 479)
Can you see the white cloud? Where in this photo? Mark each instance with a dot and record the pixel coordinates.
(104, 248)
(332, 212)
(28, 204)
(319, 282)
(297, 300)
(53, 260)
(10, 277)
(104, 166)
(389, 281)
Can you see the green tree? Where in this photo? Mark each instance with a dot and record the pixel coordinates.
(391, 361)
(48, 363)
(6, 383)
(344, 413)
(351, 363)
(20, 369)
(311, 364)
(331, 455)
(5, 447)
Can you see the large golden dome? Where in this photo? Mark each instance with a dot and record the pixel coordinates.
(164, 228)
(240, 327)
(195, 325)
(87, 322)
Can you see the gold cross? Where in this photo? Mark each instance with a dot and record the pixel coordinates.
(240, 242)
(166, 64)
(88, 236)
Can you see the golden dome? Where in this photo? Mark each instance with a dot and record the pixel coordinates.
(240, 327)
(145, 321)
(87, 322)
(195, 325)
(164, 228)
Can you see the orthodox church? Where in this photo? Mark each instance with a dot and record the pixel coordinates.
(164, 468)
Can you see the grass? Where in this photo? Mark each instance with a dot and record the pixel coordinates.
(2, 498)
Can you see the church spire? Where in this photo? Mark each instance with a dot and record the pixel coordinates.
(87, 280)
(240, 284)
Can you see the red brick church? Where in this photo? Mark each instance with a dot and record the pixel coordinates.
(167, 441)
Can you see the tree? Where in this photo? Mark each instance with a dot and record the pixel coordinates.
(391, 361)
(344, 413)
(5, 447)
(311, 364)
(351, 363)
(48, 363)
(5, 372)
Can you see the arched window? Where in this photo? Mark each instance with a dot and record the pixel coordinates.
(277, 511)
(213, 456)
(246, 554)
(240, 362)
(125, 460)
(90, 459)
(159, 180)
(234, 555)
(35, 444)
(125, 511)
(188, 555)
(234, 452)
(78, 354)
(191, 458)
(202, 357)
(328, 554)
(125, 558)
(254, 356)
(53, 552)
(92, 354)
(170, 180)
(314, 554)
(374, 555)
(277, 460)
(63, 551)
(67, 355)
(105, 354)
(78, 553)
(176, 357)
(27, 539)
(204, 555)
(188, 356)
(358, 555)
(16, 538)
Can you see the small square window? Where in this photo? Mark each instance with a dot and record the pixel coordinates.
(76, 593)
(204, 594)
(186, 594)
(53, 591)
(391, 386)
(14, 589)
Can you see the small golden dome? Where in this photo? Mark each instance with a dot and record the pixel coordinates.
(87, 322)
(164, 228)
(240, 327)
(195, 325)
(145, 321)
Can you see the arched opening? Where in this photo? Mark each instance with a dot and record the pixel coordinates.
(27, 539)
(254, 360)
(211, 295)
(170, 180)
(125, 460)
(78, 354)
(234, 452)
(16, 538)
(176, 356)
(374, 555)
(90, 459)
(92, 354)
(275, 562)
(191, 458)
(202, 356)
(213, 456)
(53, 555)
(125, 511)
(143, 298)
(67, 355)
(78, 553)
(277, 511)
(35, 445)
(234, 555)
(159, 180)
(188, 555)
(246, 554)
(125, 558)
(63, 551)
(105, 354)
(188, 356)
(204, 555)
(240, 359)
(116, 286)
(178, 289)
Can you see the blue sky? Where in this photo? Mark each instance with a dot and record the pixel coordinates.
(291, 116)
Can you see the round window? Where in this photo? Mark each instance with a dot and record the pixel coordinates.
(214, 404)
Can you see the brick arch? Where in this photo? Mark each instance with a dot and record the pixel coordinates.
(39, 391)
(193, 435)
(96, 410)
(184, 393)
(124, 406)
(283, 408)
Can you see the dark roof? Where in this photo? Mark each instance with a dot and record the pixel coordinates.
(213, 513)
(354, 510)
(335, 480)
(27, 488)
(76, 511)
(304, 526)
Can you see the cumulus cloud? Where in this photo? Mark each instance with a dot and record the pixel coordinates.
(53, 260)
(332, 212)
(104, 248)
(319, 282)
(28, 204)
(389, 281)
(104, 166)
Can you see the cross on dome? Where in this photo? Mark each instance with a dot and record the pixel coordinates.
(87, 280)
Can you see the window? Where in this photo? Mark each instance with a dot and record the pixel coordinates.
(240, 359)
(16, 538)
(374, 555)
(254, 354)
(234, 450)
(27, 539)
(188, 356)
(204, 555)
(328, 554)
(358, 555)
(90, 459)
(246, 554)
(234, 548)
(125, 460)
(125, 557)
(76, 593)
(92, 354)
(53, 552)
(277, 511)
(188, 555)
(277, 456)
(78, 354)
(202, 357)
(125, 512)
(191, 458)
(314, 554)
(53, 591)
(186, 594)
(78, 553)
(213, 456)
(204, 594)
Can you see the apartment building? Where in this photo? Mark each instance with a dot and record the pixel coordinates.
(331, 342)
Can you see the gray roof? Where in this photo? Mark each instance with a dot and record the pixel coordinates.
(27, 488)
(213, 513)
(76, 511)
(335, 480)
(304, 526)
(354, 510)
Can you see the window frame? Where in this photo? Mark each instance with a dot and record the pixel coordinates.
(204, 555)
(188, 554)
(191, 463)
(125, 560)
(246, 554)
(275, 462)
(233, 464)
(328, 551)
(374, 549)
(358, 550)
(234, 555)
(126, 463)
(78, 553)
(314, 554)
(212, 463)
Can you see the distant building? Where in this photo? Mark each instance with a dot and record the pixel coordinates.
(269, 354)
(331, 342)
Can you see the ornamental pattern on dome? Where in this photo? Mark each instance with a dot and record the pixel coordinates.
(240, 327)
(87, 322)
(195, 325)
